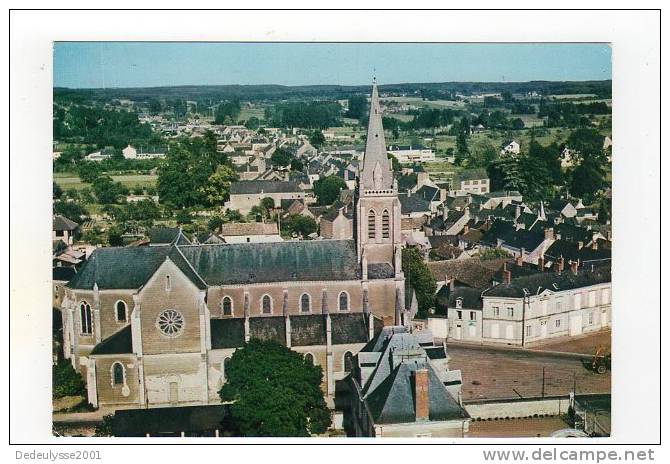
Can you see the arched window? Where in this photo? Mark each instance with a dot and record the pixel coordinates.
(227, 306)
(266, 304)
(386, 219)
(309, 357)
(85, 318)
(305, 303)
(372, 219)
(121, 311)
(348, 361)
(118, 374)
(344, 301)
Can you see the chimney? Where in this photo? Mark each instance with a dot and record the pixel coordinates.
(519, 259)
(549, 233)
(466, 229)
(540, 263)
(560, 264)
(517, 212)
(421, 401)
(451, 281)
(573, 266)
(507, 275)
(445, 213)
(594, 245)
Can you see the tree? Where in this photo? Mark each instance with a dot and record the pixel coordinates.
(184, 217)
(268, 203)
(71, 210)
(587, 178)
(57, 191)
(281, 157)
(482, 154)
(328, 189)
(233, 215)
(301, 225)
(66, 381)
(227, 112)
(419, 278)
(114, 236)
(214, 223)
(274, 392)
(88, 171)
(395, 164)
(217, 188)
(252, 123)
(104, 429)
(107, 191)
(317, 139)
(296, 165)
(358, 105)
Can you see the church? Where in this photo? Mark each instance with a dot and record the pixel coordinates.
(154, 326)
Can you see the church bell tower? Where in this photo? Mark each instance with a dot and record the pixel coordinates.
(378, 236)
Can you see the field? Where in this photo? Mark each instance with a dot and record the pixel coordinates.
(67, 180)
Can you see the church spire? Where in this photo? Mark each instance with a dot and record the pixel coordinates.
(376, 173)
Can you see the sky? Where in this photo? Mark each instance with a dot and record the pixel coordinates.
(151, 64)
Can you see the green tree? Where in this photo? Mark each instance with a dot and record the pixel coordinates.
(184, 217)
(493, 253)
(317, 139)
(66, 381)
(107, 191)
(358, 106)
(395, 164)
(104, 429)
(482, 154)
(274, 392)
(89, 171)
(217, 188)
(114, 236)
(57, 191)
(419, 278)
(253, 123)
(281, 157)
(214, 223)
(587, 178)
(328, 189)
(268, 204)
(301, 225)
(296, 165)
(227, 112)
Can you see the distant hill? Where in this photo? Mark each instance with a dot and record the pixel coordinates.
(279, 92)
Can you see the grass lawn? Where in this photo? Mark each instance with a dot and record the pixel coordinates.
(68, 180)
(247, 113)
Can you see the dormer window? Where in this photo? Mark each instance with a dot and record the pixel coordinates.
(459, 302)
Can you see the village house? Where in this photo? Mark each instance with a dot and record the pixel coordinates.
(406, 154)
(247, 194)
(402, 387)
(248, 232)
(469, 181)
(510, 147)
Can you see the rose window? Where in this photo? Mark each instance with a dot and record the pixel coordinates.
(170, 322)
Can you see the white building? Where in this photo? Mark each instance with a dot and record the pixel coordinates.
(510, 148)
(412, 154)
(248, 232)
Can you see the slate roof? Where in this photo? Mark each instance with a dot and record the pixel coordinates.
(63, 273)
(263, 186)
(389, 392)
(227, 333)
(472, 174)
(129, 268)
(571, 251)
(120, 342)
(413, 204)
(429, 193)
(348, 328)
(167, 235)
(470, 298)
(472, 272)
(63, 223)
(268, 328)
(573, 233)
(505, 231)
(274, 262)
(139, 422)
(380, 271)
(538, 282)
(307, 330)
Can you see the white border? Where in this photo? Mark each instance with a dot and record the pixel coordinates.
(636, 48)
